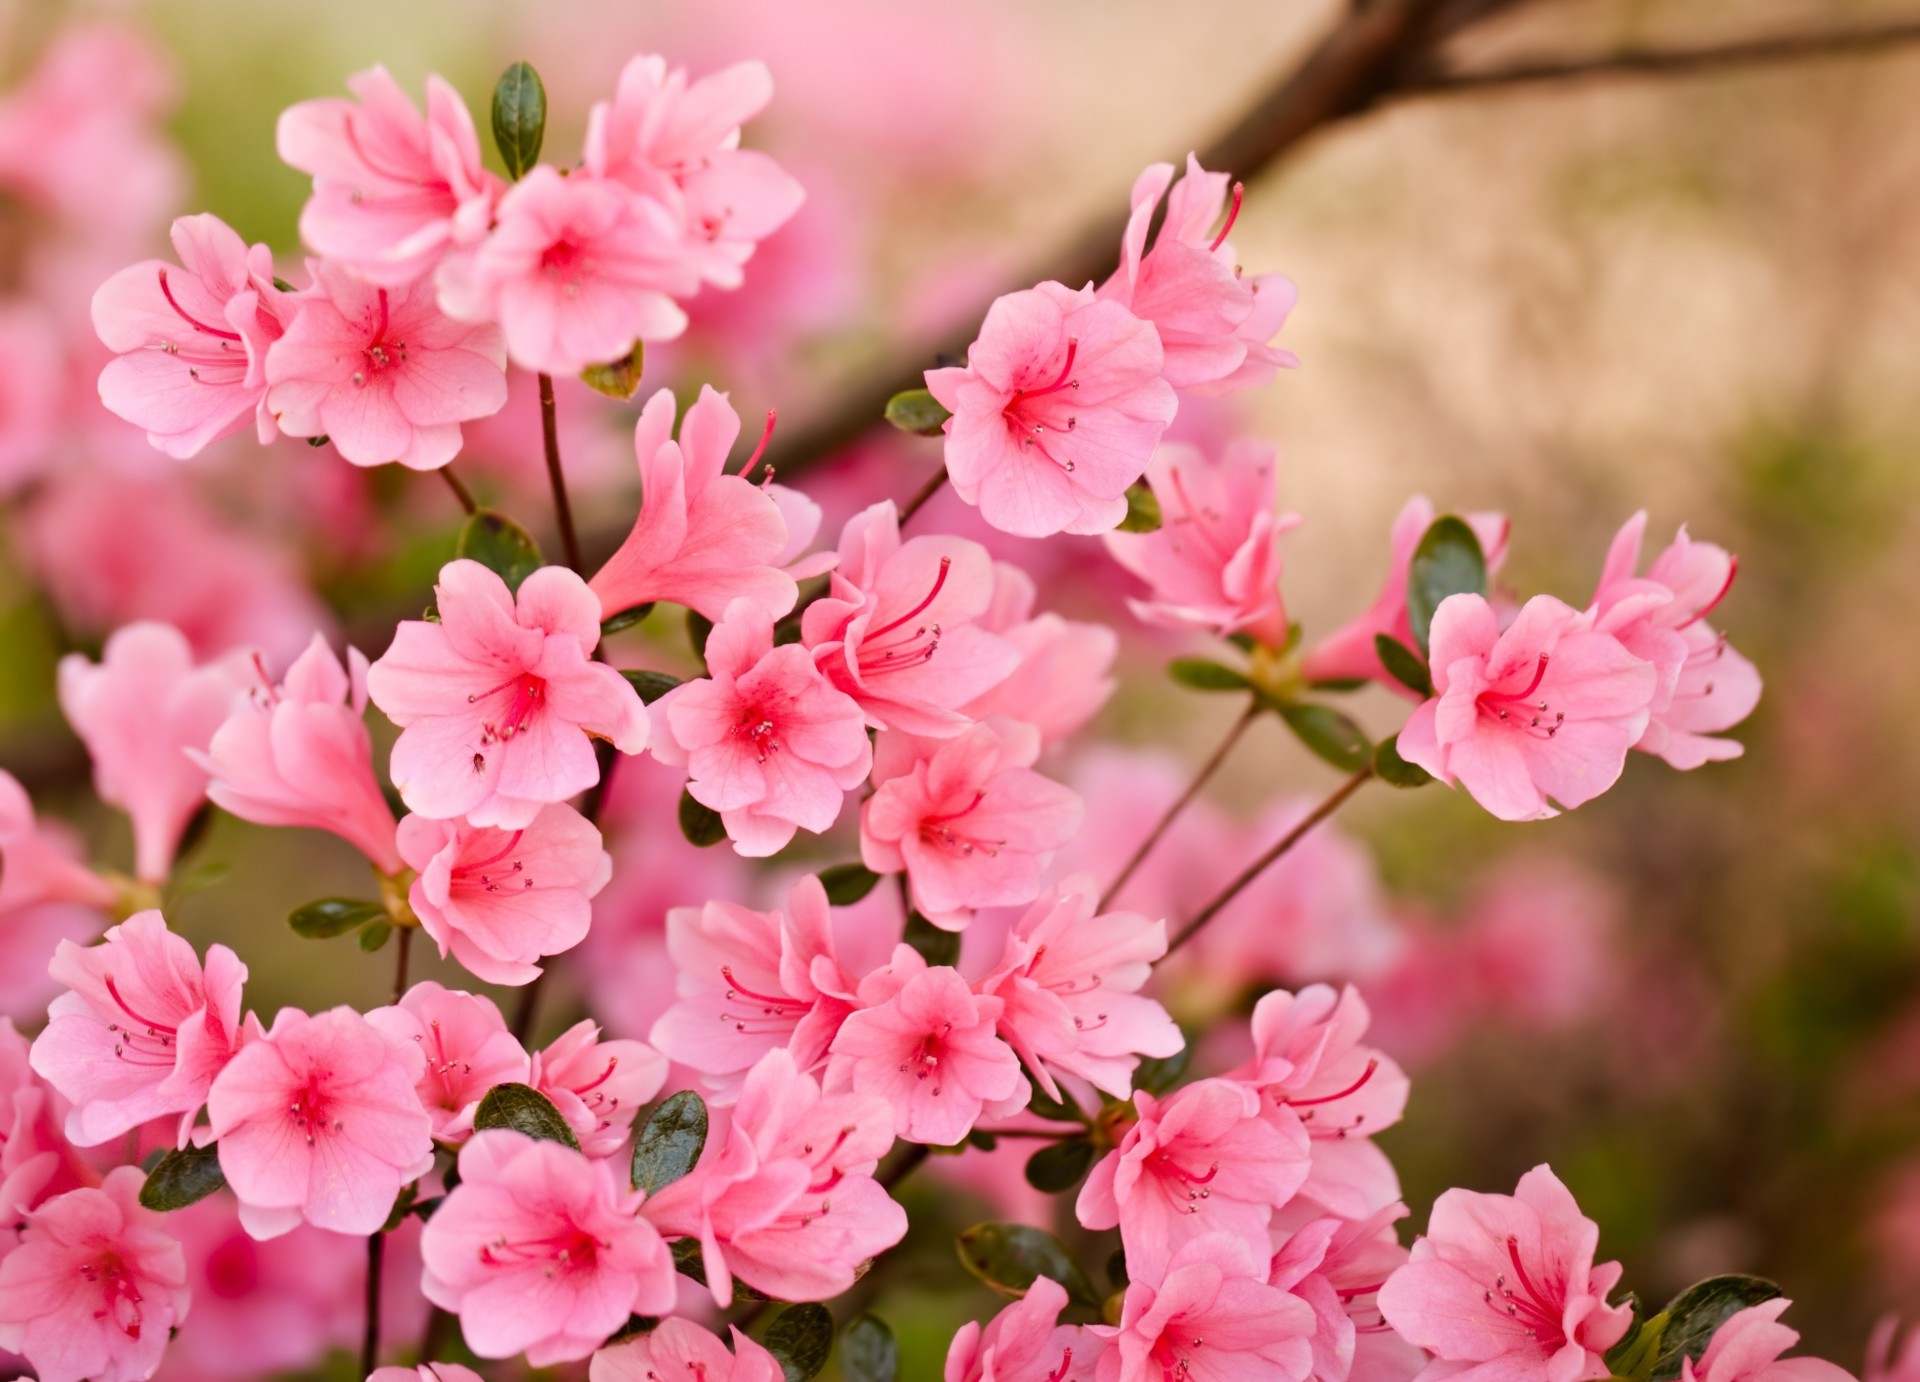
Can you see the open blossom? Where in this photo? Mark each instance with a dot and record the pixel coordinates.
(391, 191)
(766, 740)
(926, 1043)
(501, 899)
(1214, 562)
(383, 372)
(498, 700)
(47, 895)
(1337, 1267)
(1056, 412)
(704, 538)
(1532, 720)
(749, 982)
(190, 341)
(575, 270)
(94, 1287)
(426, 1372)
(897, 629)
(143, 1030)
(318, 1119)
(678, 141)
(1705, 686)
(1063, 676)
(35, 1159)
(1209, 1315)
(299, 754)
(30, 392)
(680, 1348)
(137, 710)
(1026, 1342)
(539, 1251)
(1747, 1348)
(597, 1085)
(788, 1203)
(467, 1047)
(1505, 1286)
(1070, 981)
(967, 818)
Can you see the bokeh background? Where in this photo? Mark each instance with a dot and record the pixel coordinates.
(1699, 997)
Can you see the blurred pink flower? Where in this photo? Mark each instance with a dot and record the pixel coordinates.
(1025, 1340)
(30, 388)
(35, 1159)
(1063, 676)
(1884, 1363)
(597, 1085)
(1747, 1348)
(467, 1047)
(680, 1348)
(1212, 1314)
(426, 1372)
(1539, 945)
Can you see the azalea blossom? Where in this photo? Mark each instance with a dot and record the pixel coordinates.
(1026, 1340)
(597, 1085)
(1063, 676)
(35, 1160)
(426, 1372)
(1209, 1314)
(680, 1348)
(1337, 1267)
(467, 1050)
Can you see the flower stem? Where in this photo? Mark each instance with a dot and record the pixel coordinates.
(370, 1343)
(460, 491)
(402, 943)
(927, 491)
(562, 510)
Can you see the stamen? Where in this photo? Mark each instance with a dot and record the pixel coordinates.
(153, 1028)
(1357, 1085)
(766, 436)
(1733, 569)
(1233, 214)
(194, 322)
(1063, 382)
(932, 595)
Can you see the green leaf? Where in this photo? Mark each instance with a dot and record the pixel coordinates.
(688, 1259)
(500, 545)
(1632, 1357)
(618, 379)
(1117, 1269)
(671, 1142)
(519, 118)
(700, 824)
(1203, 675)
(1694, 1314)
(334, 916)
(1158, 1074)
(1448, 561)
(651, 685)
(375, 936)
(1009, 1256)
(524, 1109)
(626, 618)
(402, 1206)
(1394, 770)
(1338, 683)
(868, 1351)
(1059, 1167)
(936, 947)
(1403, 664)
(846, 884)
(1143, 509)
(1042, 1105)
(698, 627)
(918, 412)
(800, 1338)
(181, 1178)
(1329, 734)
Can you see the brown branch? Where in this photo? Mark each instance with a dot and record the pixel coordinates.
(460, 491)
(556, 479)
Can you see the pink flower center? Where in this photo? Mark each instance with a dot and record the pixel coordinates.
(1233, 214)
(940, 832)
(489, 875)
(757, 727)
(571, 1249)
(144, 1042)
(525, 696)
(380, 352)
(777, 1015)
(603, 1106)
(310, 1110)
(908, 650)
(1323, 1131)
(568, 264)
(233, 1268)
(1032, 430)
(448, 1070)
(923, 1061)
(1529, 1306)
(1513, 709)
(121, 1298)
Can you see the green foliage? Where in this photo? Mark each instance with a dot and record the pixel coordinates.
(334, 916)
(1204, 675)
(1143, 509)
(1330, 734)
(868, 1351)
(519, 118)
(846, 884)
(651, 685)
(1403, 664)
(1447, 562)
(800, 1338)
(524, 1109)
(500, 545)
(699, 823)
(1059, 1166)
(1008, 1257)
(618, 379)
(936, 947)
(918, 412)
(671, 1142)
(1394, 770)
(183, 1177)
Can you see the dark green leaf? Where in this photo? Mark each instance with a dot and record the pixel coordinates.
(698, 627)
(1009, 1256)
(1403, 664)
(1394, 770)
(1117, 1269)
(284, 286)
(1158, 1074)
(936, 947)
(982, 1139)
(651, 685)
(500, 545)
(519, 118)
(687, 1259)
(1203, 675)
(334, 916)
(671, 1142)
(375, 936)
(1338, 683)
(317, 442)
(868, 1351)
(1329, 734)
(1042, 1105)
(846, 884)
(1448, 561)
(800, 1338)
(918, 412)
(620, 378)
(626, 618)
(1694, 1314)
(402, 1206)
(1143, 509)
(700, 824)
(1632, 1357)
(1058, 1167)
(181, 1178)
(635, 1326)
(524, 1109)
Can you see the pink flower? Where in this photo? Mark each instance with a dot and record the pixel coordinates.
(40, 863)
(679, 142)
(1705, 686)
(318, 1119)
(497, 701)
(788, 1204)
(501, 899)
(597, 1085)
(1200, 1161)
(1531, 721)
(540, 1252)
(137, 710)
(35, 1160)
(1210, 1315)
(896, 629)
(1505, 1287)
(1337, 1266)
(467, 1049)
(704, 538)
(1056, 412)
(1747, 1348)
(750, 982)
(766, 740)
(1884, 1364)
(967, 818)
(1214, 562)
(299, 754)
(926, 1044)
(190, 342)
(679, 1349)
(575, 270)
(142, 1032)
(31, 383)
(1349, 651)
(1026, 1342)
(94, 1287)
(391, 191)
(1070, 982)
(1062, 678)
(426, 1372)
(382, 372)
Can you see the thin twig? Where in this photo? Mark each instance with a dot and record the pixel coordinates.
(927, 491)
(1265, 861)
(903, 1166)
(529, 1005)
(550, 438)
(460, 491)
(1200, 779)
(402, 943)
(370, 1341)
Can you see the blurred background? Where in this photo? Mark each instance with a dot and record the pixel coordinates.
(1698, 997)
